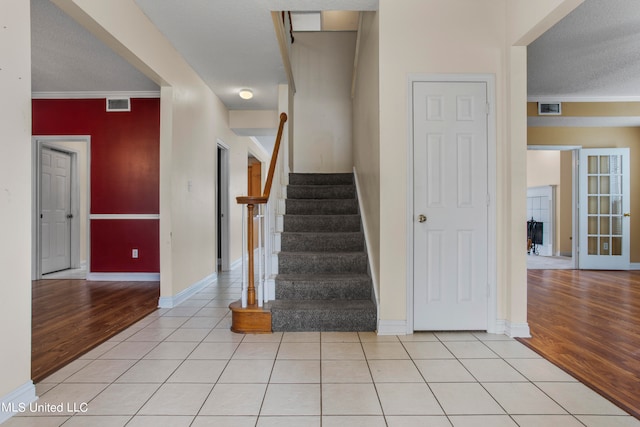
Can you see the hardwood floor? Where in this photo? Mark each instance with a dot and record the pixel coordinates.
(70, 317)
(588, 323)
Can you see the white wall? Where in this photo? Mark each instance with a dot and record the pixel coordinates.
(444, 36)
(418, 36)
(366, 137)
(322, 67)
(15, 203)
(543, 168)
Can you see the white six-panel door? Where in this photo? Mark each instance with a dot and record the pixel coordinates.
(450, 205)
(55, 210)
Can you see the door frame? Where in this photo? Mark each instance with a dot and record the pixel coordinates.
(575, 188)
(492, 301)
(54, 142)
(223, 209)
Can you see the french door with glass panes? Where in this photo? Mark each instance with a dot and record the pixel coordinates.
(604, 209)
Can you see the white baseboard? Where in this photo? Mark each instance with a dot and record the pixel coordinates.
(124, 277)
(236, 264)
(367, 239)
(634, 266)
(175, 300)
(17, 401)
(517, 330)
(498, 328)
(392, 327)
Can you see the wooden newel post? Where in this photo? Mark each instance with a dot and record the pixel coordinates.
(254, 318)
(251, 287)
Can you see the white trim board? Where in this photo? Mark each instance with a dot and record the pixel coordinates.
(517, 329)
(95, 95)
(554, 99)
(363, 219)
(123, 216)
(393, 327)
(124, 277)
(591, 121)
(175, 300)
(17, 401)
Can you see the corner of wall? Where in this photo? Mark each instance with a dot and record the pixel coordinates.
(18, 401)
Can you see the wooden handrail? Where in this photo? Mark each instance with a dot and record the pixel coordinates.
(274, 157)
(251, 202)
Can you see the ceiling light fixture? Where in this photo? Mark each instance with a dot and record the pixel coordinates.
(245, 93)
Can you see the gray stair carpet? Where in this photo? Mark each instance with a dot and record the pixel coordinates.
(323, 282)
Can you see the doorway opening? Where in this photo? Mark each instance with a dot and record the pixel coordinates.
(223, 263)
(552, 225)
(60, 195)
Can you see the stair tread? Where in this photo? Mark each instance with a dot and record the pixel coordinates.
(323, 282)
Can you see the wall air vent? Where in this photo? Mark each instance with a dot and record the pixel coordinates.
(118, 104)
(549, 108)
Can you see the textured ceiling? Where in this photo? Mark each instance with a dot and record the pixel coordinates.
(594, 52)
(65, 57)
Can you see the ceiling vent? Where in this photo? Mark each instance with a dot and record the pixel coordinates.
(549, 108)
(118, 104)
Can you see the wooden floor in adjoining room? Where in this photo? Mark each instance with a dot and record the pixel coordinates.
(70, 317)
(588, 323)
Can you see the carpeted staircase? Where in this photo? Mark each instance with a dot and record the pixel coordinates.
(323, 282)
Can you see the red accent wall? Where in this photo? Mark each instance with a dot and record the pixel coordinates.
(125, 174)
(113, 240)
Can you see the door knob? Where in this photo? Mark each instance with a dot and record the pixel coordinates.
(627, 214)
(69, 216)
(422, 218)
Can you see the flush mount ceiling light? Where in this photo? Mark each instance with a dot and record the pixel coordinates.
(245, 93)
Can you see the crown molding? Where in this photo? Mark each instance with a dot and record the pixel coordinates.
(95, 95)
(567, 121)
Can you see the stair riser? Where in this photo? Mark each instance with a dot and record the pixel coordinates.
(319, 263)
(321, 207)
(321, 192)
(309, 291)
(322, 242)
(320, 179)
(323, 289)
(326, 320)
(321, 223)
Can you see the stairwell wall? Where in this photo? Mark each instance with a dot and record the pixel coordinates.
(322, 65)
(366, 138)
(441, 36)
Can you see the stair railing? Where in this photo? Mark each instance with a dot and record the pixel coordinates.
(249, 297)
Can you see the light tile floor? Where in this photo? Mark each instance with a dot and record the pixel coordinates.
(183, 367)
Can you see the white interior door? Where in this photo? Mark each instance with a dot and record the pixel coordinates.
(604, 209)
(55, 203)
(450, 205)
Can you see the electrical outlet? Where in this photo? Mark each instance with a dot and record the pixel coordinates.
(605, 246)
(134, 253)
